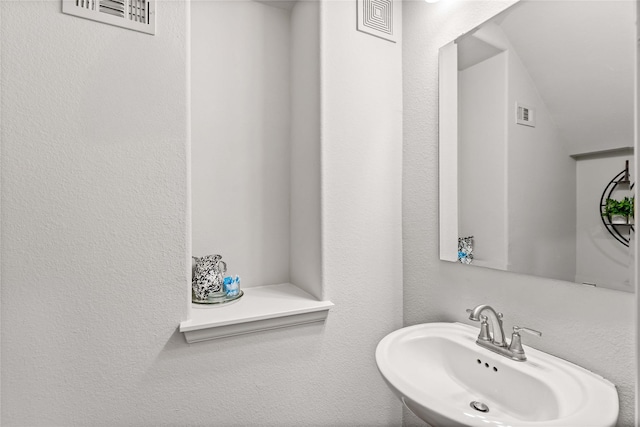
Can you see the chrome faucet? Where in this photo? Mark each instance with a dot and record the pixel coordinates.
(496, 342)
(496, 320)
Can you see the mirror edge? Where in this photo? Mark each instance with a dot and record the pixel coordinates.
(448, 150)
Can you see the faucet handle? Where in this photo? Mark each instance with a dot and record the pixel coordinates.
(484, 329)
(515, 347)
(518, 329)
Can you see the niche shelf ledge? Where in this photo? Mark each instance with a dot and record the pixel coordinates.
(260, 309)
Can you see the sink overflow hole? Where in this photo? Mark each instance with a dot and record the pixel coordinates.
(479, 406)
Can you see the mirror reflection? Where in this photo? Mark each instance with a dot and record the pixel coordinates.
(536, 134)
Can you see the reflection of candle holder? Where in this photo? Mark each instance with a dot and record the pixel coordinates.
(465, 250)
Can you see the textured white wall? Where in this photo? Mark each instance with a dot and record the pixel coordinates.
(240, 151)
(94, 231)
(591, 327)
(361, 207)
(102, 209)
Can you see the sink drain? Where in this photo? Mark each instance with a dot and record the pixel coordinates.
(479, 406)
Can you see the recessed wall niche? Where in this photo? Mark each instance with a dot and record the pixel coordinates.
(255, 140)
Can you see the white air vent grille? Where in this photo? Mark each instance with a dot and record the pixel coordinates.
(375, 17)
(138, 15)
(525, 115)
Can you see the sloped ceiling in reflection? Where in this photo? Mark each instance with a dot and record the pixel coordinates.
(581, 55)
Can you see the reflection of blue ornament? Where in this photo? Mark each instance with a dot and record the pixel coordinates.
(465, 250)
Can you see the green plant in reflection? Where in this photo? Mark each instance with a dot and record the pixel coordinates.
(624, 207)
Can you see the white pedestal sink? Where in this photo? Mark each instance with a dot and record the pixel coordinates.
(446, 379)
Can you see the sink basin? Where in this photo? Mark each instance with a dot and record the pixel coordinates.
(446, 379)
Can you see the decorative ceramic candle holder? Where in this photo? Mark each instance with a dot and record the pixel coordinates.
(207, 283)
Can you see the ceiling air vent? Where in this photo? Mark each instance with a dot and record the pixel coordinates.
(525, 115)
(137, 15)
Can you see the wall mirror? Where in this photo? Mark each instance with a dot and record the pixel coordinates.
(536, 120)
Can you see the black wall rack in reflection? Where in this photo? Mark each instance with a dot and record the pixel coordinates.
(621, 232)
